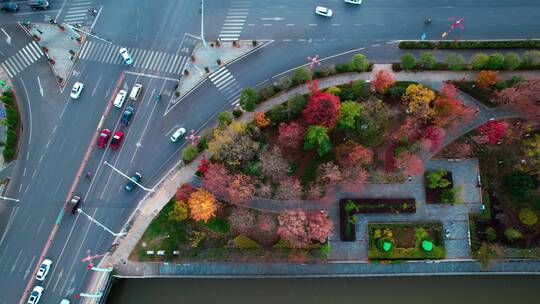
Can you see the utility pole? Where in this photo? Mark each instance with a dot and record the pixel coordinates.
(129, 178)
(9, 199)
(79, 210)
(202, 23)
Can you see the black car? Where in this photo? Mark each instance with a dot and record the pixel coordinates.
(126, 116)
(38, 4)
(9, 7)
(134, 179)
(73, 204)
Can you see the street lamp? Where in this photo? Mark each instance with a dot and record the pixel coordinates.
(9, 199)
(129, 178)
(79, 210)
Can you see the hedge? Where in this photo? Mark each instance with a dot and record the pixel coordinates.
(13, 123)
(488, 44)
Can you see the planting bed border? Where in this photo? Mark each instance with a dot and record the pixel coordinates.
(433, 196)
(471, 44)
(391, 206)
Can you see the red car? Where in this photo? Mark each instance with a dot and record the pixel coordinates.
(103, 138)
(116, 140)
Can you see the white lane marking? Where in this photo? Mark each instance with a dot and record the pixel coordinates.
(27, 272)
(15, 263)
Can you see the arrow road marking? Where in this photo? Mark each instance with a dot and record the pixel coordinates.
(8, 37)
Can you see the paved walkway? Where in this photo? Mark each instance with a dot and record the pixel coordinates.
(463, 171)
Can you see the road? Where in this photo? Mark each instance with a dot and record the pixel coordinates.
(57, 146)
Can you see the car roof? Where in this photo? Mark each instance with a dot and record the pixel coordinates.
(122, 92)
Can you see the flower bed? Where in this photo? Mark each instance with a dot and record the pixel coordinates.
(13, 126)
(349, 207)
(405, 241)
(434, 195)
(493, 44)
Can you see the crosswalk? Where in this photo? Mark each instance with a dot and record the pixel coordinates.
(235, 20)
(144, 59)
(22, 59)
(225, 83)
(77, 11)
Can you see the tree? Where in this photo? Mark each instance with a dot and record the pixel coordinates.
(359, 62)
(479, 61)
(301, 75)
(527, 216)
(292, 227)
(382, 80)
(486, 78)
(496, 61)
(317, 138)
(408, 61)
(493, 131)
(418, 99)
(350, 153)
(189, 153)
(427, 60)
(512, 234)
(433, 138)
(183, 192)
(329, 175)
(348, 113)
(531, 58)
(232, 145)
(531, 150)
(409, 164)
(290, 134)
(519, 184)
(241, 188)
(203, 166)
(284, 82)
(273, 164)
(372, 123)
(242, 220)
(449, 109)
(216, 179)
(319, 226)
(354, 178)
(289, 189)
(523, 96)
(225, 118)
(322, 109)
(179, 212)
(455, 62)
(511, 61)
(261, 120)
(249, 98)
(203, 205)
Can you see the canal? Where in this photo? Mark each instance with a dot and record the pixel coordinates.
(382, 290)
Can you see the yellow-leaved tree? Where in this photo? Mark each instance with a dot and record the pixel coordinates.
(418, 99)
(202, 204)
(179, 212)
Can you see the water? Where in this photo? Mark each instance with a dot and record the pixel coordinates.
(384, 290)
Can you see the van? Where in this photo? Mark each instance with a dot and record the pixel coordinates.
(134, 95)
(38, 4)
(73, 204)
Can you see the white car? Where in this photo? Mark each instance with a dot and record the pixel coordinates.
(120, 98)
(178, 134)
(43, 270)
(126, 56)
(354, 1)
(64, 301)
(323, 11)
(35, 295)
(76, 90)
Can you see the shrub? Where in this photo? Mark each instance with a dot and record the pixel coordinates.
(435, 179)
(284, 82)
(491, 234)
(189, 153)
(496, 61)
(408, 61)
(511, 61)
(243, 242)
(253, 168)
(427, 60)
(455, 62)
(344, 68)
(512, 234)
(527, 216)
(278, 113)
(249, 98)
(531, 58)
(396, 91)
(326, 71)
(317, 137)
(333, 90)
(296, 104)
(451, 196)
(225, 118)
(385, 244)
(301, 75)
(479, 61)
(518, 184)
(237, 113)
(360, 63)
(267, 92)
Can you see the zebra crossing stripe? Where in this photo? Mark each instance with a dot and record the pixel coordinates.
(20, 58)
(167, 63)
(27, 58)
(36, 46)
(172, 65)
(182, 65)
(13, 66)
(7, 70)
(108, 54)
(140, 59)
(150, 58)
(91, 47)
(27, 50)
(99, 54)
(84, 49)
(157, 61)
(232, 88)
(220, 76)
(225, 83)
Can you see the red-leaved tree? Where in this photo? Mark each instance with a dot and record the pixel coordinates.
(525, 96)
(216, 179)
(351, 153)
(203, 166)
(291, 134)
(289, 189)
(322, 109)
(293, 227)
(409, 164)
(382, 81)
(493, 131)
(319, 226)
(433, 138)
(183, 192)
(354, 179)
(242, 220)
(241, 188)
(273, 164)
(449, 109)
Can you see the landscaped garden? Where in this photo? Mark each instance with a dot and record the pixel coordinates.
(402, 241)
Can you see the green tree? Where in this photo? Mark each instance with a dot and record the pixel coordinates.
(531, 58)
(435, 179)
(179, 212)
(511, 61)
(491, 234)
(360, 62)
(428, 60)
(512, 234)
(519, 184)
(408, 61)
(496, 61)
(249, 99)
(348, 113)
(372, 123)
(284, 82)
(189, 153)
(455, 62)
(225, 118)
(479, 61)
(301, 75)
(317, 137)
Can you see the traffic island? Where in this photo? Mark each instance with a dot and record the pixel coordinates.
(207, 60)
(60, 44)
